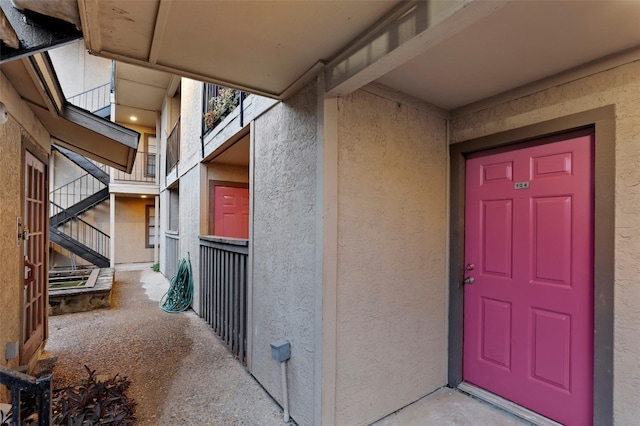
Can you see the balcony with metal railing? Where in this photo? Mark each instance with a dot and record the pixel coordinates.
(218, 102)
(173, 147)
(141, 180)
(144, 170)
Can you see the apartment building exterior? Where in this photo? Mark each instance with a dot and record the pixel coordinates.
(114, 219)
(439, 194)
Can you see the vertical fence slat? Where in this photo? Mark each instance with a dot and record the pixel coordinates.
(243, 293)
(173, 242)
(236, 303)
(218, 260)
(223, 291)
(216, 291)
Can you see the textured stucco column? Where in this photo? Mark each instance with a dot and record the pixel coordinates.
(156, 227)
(112, 230)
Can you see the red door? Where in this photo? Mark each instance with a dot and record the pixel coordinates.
(528, 314)
(35, 265)
(231, 212)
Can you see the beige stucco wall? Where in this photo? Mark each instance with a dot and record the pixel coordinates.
(63, 170)
(189, 210)
(227, 172)
(10, 209)
(391, 276)
(619, 87)
(284, 242)
(22, 125)
(130, 230)
(77, 70)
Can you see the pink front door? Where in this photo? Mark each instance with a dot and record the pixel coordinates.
(528, 314)
(231, 212)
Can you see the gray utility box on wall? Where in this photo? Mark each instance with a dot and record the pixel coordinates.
(281, 350)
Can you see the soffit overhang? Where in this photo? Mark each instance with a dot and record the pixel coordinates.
(72, 127)
(270, 48)
(448, 53)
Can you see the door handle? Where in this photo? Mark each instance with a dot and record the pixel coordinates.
(468, 280)
(29, 268)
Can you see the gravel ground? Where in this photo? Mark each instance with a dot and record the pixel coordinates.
(180, 372)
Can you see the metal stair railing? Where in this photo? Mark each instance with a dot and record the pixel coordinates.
(93, 99)
(81, 231)
(98, 170)
(75, 191)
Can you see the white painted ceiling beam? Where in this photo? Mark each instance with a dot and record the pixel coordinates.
(158, 32)
(410, 31)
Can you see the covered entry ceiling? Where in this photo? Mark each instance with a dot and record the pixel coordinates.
(449, 53)
(139, 93)
(520, 42)
(262, 46)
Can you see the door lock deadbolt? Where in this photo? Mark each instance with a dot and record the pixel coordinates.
(470, 267)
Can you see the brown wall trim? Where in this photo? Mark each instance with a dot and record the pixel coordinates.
(603, 122)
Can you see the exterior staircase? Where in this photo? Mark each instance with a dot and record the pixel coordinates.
(68, 202)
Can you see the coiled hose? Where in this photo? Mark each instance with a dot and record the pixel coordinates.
(180, 294)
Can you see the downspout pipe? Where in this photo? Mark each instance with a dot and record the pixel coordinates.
(281, 352)
(202, 125)
(285, 395)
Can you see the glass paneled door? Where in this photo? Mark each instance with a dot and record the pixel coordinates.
(35, 264)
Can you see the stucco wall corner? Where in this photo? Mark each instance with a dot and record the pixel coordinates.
(284, 242)
(391, 291)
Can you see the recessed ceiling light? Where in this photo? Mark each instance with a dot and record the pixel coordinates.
(143, 196)
(133, 118)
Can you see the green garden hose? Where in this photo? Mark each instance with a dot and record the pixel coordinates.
(180, 294)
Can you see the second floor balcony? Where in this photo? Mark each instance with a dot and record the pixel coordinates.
(144, 170)
(173, 147)
(217, 103)
(142, 180)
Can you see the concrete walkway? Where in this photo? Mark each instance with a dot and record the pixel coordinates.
(448, 407)
(180, 372)
(182, 375)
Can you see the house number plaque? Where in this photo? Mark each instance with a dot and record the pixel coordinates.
(521, 185)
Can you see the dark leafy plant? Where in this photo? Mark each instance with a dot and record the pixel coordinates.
(94, 403)
(27, 412)
(155, 267)
(5, 418)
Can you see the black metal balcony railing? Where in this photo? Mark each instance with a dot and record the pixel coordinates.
(20, 384)
(172, 240)
(173, 147)
(217, 103)
(94, 99)
(223, 290)
(144, 170)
